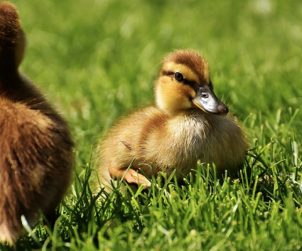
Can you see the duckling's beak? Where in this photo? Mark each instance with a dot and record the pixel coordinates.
(207, 101)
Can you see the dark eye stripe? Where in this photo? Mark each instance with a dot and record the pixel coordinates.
(168, 73)
(191, 83)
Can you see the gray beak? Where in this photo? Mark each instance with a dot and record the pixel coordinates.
(207, 101)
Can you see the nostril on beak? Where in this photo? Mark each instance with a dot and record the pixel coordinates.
(222, 109)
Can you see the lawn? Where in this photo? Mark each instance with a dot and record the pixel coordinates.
(97, 60)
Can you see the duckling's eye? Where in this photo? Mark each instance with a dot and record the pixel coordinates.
(178, 76)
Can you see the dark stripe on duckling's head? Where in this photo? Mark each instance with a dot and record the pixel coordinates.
(193, 61)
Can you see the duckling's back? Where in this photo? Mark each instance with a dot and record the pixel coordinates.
(36, 148)
(35, 166)
(123, 144)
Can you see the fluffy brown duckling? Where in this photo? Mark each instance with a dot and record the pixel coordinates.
(187, 124)
(36, 148)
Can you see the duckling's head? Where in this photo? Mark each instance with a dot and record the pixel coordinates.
(184, 84)
(12, 38)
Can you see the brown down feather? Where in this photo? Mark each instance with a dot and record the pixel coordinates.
(36, 148)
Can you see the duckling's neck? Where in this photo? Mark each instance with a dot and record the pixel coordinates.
(174, 112)
(170, 108)
(10, 82)
(196, 115)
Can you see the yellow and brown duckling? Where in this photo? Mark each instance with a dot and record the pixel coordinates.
(187, 124)
(36, 149)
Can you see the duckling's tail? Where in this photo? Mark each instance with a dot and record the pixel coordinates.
(12, 39)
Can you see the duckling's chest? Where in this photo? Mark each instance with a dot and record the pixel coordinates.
(197, 138)
(191, 137)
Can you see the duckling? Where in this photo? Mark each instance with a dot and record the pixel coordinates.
(36, 148)
(188, 124)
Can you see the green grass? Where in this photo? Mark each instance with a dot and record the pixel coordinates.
(97, 60)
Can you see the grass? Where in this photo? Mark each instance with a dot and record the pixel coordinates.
(97, 60)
